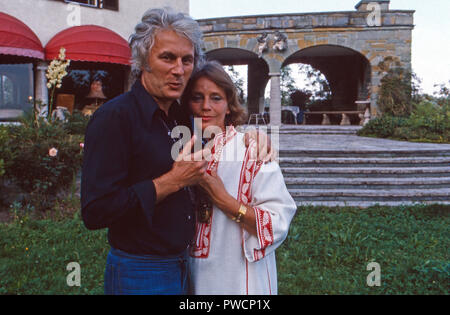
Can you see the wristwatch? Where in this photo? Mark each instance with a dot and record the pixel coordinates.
(242, 212)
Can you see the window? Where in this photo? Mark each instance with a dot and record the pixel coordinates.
(89, 3)
(101, 4)
(82, 74)
(6, 90)
(16, 89)
(111, 4)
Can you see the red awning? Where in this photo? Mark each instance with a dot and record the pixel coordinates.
(90, 43)
(18, 39)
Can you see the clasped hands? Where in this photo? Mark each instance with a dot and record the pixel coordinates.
(189, 169)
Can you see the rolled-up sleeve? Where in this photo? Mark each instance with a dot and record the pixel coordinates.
(274, 209)
(106, 195)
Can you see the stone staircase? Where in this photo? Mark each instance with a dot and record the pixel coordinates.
(318, 130)
(363, 178)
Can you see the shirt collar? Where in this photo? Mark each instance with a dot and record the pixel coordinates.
(148, 104)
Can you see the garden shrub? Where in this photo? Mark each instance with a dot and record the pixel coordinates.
(431, 117)
(428, 122)
(41, 158)
(2, 167)
(405, 113)
(76, 123)
(383, 127)
(396, 89)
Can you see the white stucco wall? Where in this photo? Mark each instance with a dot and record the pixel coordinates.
(47, 18)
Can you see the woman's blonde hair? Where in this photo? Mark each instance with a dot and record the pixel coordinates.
(214, 71)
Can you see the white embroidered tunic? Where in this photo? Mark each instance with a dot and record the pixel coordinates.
(225, 258)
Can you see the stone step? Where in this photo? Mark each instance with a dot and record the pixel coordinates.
(317, 132)
(350, 153)
(364, 162)
(371, 195)
(318, 129)
(368, 183)
(366, 204)
(364, 172)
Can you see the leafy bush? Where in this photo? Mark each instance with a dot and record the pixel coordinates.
(76, 123)
(431, 116)
(407, 114)
(2, 167)
(396, 88)
(428, 122)
(383, 127)
(41, 158)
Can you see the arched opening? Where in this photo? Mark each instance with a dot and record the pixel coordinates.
(303, 88)
(348, 74)
(254, 70)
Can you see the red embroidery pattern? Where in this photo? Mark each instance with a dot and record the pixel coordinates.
(263, 219)
(201, 246)
(249, 169)
(265, 232)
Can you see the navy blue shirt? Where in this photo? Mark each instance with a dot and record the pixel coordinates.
(127, 145)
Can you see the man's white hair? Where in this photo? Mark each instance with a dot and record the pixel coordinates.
(154, 20)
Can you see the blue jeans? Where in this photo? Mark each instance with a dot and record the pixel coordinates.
(127, 274)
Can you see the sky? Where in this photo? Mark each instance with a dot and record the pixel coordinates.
(431, 36)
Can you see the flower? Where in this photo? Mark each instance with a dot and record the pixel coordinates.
(82, 145)
(57, 70)
(53, 152)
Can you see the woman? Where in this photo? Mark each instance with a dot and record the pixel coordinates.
(243, 209)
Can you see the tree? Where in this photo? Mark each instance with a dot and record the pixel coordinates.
(443, 95)
(237, 80)
(287, 85)
(315, 82)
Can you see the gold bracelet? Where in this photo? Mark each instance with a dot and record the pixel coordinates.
(242, 212)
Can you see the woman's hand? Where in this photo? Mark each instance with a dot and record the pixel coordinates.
(214, 186)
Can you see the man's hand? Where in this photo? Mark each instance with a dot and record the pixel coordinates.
(265, 151)
(187, 170)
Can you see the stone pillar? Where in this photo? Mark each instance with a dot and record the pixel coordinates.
(41, 90)
(257, 79)
(375, 88)
(275, 99)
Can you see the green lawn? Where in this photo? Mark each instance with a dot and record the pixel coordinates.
(326, 252)
(34, 256)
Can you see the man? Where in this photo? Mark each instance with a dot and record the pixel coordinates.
(130, 183)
